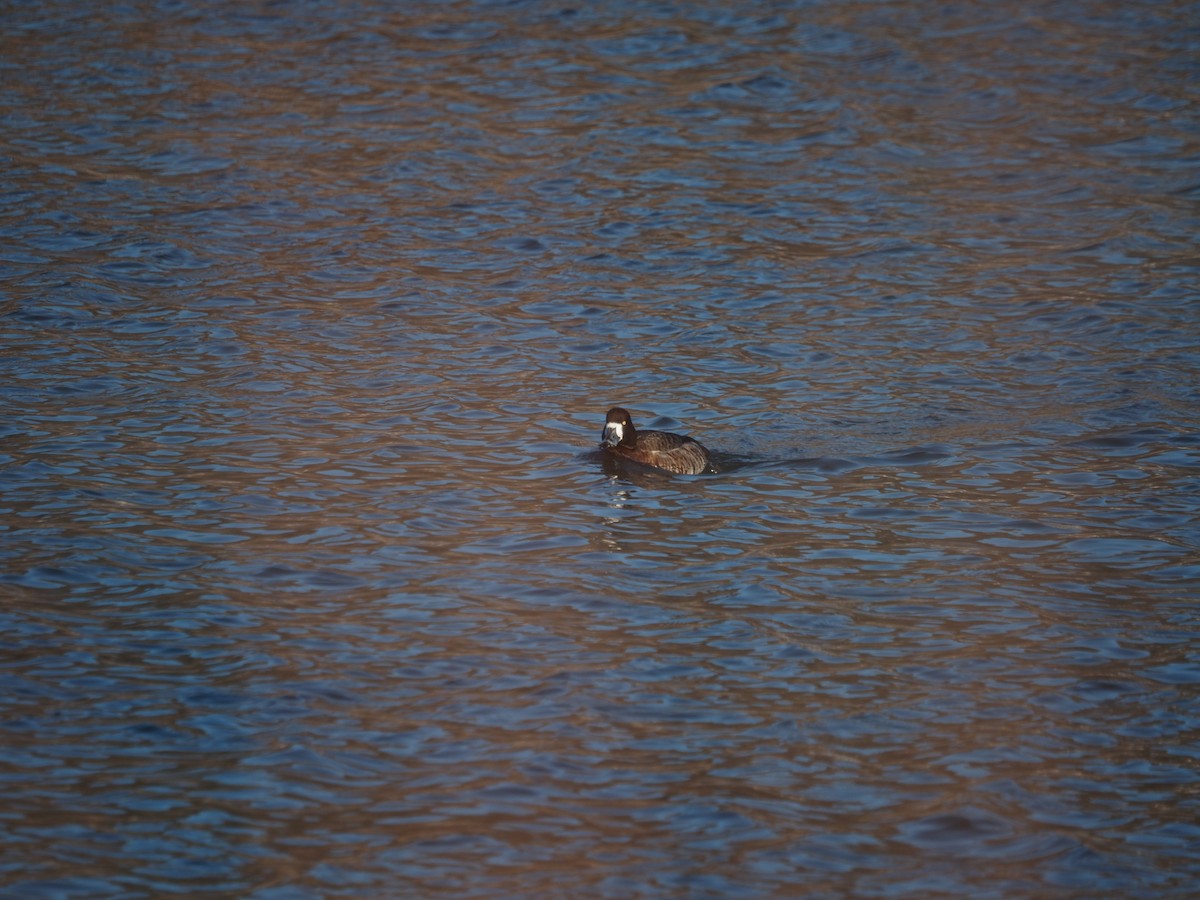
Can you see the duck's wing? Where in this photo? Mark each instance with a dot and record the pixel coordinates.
(674, 452)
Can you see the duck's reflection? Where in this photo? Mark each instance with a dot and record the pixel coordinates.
(642, 476)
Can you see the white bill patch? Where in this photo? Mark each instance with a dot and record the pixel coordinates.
(613, 432)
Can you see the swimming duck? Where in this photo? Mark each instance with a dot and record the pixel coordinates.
(660, 449)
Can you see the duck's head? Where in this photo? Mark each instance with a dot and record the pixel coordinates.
(618, 428)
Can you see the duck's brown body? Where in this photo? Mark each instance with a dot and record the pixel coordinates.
(660, 449)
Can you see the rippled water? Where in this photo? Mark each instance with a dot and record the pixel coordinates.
(314, 583)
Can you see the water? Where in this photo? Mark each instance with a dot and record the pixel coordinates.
(314, 584)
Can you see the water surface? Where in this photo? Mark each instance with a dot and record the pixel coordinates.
(313, 583)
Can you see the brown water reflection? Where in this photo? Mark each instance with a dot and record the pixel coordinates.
(313, 583)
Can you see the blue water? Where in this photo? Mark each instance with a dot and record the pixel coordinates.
(313, 582)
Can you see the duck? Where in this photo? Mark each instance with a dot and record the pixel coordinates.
(660, 449)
